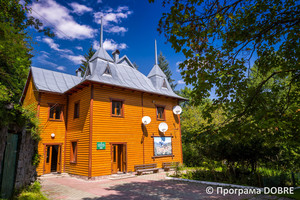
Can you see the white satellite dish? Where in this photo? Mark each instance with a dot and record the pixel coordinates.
(163, 127)
(146, 120)
(177, 110)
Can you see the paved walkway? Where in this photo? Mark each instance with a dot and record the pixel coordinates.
(145, 187)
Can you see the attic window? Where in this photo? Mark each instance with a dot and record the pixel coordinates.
(107, 71)
(164, 85)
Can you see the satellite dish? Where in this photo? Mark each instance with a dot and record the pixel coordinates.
(177, 110)
(163, 127)
(146, 120)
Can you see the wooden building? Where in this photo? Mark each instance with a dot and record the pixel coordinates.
(91, 125)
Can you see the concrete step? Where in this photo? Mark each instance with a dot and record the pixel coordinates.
(120, 176)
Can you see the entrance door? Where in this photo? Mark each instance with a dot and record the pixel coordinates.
(52, 158)
(118, 158)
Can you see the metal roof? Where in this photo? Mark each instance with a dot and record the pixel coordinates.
(123, 74)
(51, 81)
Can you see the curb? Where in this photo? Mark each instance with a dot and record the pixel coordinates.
(218, 184)
(214, 183)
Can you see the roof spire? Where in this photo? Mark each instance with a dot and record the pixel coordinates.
(101, 33)
(155, 54)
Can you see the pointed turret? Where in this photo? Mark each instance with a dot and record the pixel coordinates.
(101, 52)
(156, 75)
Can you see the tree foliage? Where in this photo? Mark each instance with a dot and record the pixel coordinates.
(15, 56)
(248, 53)
(85, 63)
(164, 65)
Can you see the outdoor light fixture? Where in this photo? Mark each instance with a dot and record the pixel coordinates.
(163, 127)
(146, 120)
(177, 110)
(52, 135)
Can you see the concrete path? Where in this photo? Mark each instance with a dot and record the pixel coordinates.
(145, 187)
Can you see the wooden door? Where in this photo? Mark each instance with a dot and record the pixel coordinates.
(114, 158)
(58, 159)
(48, 158)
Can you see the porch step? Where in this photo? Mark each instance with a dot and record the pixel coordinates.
(54, 175)
(120, 176)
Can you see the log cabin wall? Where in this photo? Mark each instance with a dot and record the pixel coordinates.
(78, 130)
(128, 129)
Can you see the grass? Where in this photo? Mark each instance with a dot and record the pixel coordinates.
(33, 192)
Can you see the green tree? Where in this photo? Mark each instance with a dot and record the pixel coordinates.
(14, 56)
(220, 40)
(164, 65)
(85, 63)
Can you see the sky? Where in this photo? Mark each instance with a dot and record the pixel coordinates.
(129, 26)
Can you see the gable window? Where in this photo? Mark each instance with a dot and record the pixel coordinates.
(107, 71)
(55, 112)
(73, 153)
(160, 112)
(117, 108)
(76, 109)
(164, 85)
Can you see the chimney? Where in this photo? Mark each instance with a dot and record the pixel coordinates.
(116, 54)
(79, 72)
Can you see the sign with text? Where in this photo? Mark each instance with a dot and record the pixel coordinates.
(101, 145)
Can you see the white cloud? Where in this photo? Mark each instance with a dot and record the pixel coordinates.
(99, 1)
(43, 59)
(55, 46)
(79, 48)
(79, 8)
(109, 45)
(180, 82)
(75, 59)
(111, 17)
(178, 63)
(61, 68)
(59, 19)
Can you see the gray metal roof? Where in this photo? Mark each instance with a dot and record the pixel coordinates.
(51, 81)
(102, 54)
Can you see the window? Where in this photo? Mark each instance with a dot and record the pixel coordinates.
(160, 112)
(55, 112)
(73, 158)
(76, 110)
(107, 70)
(117, 108)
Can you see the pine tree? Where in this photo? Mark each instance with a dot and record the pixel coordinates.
(87, 57)
(164, 66)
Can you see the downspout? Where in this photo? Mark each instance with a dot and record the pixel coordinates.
(66, 130)
(143, 127)
(91, 132)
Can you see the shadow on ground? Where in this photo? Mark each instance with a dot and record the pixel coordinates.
(164, 189)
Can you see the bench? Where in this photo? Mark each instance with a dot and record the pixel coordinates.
(140, 169)
(168, 165)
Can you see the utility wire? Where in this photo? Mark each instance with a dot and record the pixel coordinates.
(52, 24)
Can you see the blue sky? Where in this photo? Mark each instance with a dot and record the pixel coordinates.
(129, 25)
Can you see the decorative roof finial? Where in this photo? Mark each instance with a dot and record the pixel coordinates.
(155, 54)
(101, 33)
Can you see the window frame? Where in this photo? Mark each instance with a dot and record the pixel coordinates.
(73, 159)
(122, 107)
(76, 102)
(156, 112)
(61, 113)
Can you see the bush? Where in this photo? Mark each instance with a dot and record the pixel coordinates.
(33, 192)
